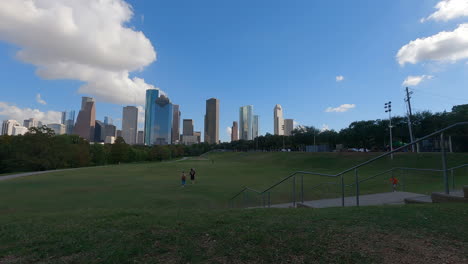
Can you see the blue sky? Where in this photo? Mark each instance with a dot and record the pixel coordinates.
(264, 53)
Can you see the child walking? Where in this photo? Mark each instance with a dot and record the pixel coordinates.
(394, 182)
(183, 178)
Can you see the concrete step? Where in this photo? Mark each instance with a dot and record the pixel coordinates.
(453, 197)
(419, 199)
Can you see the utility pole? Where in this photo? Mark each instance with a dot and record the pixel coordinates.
(388, 109)
(408, 100)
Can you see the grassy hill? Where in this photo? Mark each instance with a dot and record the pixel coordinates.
(139, 213)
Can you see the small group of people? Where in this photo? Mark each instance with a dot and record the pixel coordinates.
(192, 177)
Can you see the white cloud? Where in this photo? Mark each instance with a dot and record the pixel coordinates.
(84, 40)
(416, 80)
(229, 131)
(339, 78)
(449, 9)
(444, 46)
(341, 108)
(40, 100)
(325, 127)
(10, 111)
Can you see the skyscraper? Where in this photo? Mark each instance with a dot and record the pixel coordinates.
(288, 127)
(86, 120)
(108, 120)
(187, 128)
(141, 138)
(130, 124)
(234, 131)
(255, 127)
(31, 122)
(59, 129)
(212, 121)
(246, 122)
(278, 120)
(7, 127)
(158, 118)
(68, 119)
(175, 124)
(99, 131)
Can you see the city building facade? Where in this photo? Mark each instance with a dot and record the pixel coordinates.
(255, 127)
(7, 127)
(130, 124)
(86, 120)
(246, 122)
(234, 131)
(59, 129)
(141, 138)
(175, 124)
(19, 130)
(288, 126)
(212, 121)
(278, 120)
(158, 118)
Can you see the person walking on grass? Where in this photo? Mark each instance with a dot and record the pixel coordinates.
(183, 178)
(394, 182)
(192, 175)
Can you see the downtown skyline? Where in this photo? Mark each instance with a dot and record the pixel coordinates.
(326, 83)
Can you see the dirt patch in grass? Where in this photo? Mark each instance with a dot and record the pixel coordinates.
(401, 247)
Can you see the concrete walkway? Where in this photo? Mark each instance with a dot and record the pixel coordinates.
(13, 176)
(364, 200)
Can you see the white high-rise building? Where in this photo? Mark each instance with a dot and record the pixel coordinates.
(19, 130)
(31, 122)
(278, 120)
(130, 124)
(7, 127)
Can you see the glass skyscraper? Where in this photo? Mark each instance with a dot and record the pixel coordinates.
(158, 118)
(246, 122)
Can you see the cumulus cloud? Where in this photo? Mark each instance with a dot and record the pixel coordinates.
(448, 46)
(341, 108)
(339, 78)
(449, 9)
(416, 80)
(84, 40)
(229, 131)
(10, 111)
(40, 100)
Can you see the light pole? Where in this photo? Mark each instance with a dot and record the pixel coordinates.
(388, 109)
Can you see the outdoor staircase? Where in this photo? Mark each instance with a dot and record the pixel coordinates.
(438, 197)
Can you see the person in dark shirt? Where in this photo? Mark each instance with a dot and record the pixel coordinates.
(192, 175)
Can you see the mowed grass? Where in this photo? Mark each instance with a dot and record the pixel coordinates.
(139, 213)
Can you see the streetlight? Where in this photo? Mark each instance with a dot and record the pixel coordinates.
(388, 109)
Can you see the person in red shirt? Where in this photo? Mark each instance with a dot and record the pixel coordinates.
(183, 178)
(394, 182)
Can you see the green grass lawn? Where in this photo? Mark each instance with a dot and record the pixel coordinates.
(139, 213)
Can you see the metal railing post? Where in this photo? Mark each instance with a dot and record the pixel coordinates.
(294, 191)
(357, 186)
(302, 188)
(269, 201)
(444, 163)
(342, 190)
(453, 179)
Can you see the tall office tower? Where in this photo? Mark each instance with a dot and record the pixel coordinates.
(130, 124)
(288, 127)
(59, 129)
(158, 118)
(187, 127)
(109, 131)
(86, 120)
(234, 131)
(68, 119)
(188, 137)
(255, 127)
(7, 127)
(278, 120)
(141, 138)
(108, 120)
(246, 122)
(175, 124)
(31, 122)
(99, 131)
(212, 121)
(118, 133)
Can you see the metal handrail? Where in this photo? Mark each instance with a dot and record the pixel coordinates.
(444, 170)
